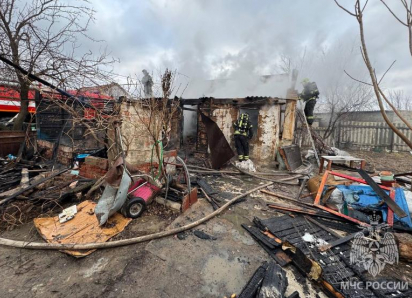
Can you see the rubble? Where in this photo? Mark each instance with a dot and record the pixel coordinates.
(405, 243)
(94, 167)
(303, 217)
(330, 268)
(246, 166)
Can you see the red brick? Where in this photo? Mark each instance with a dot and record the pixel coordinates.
(91, 171)
(101, 163)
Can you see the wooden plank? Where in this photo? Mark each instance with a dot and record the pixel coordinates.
(32, 186)
(286, 197)
(323, 227)
(338, 242)
(289, 121)
(304, 211)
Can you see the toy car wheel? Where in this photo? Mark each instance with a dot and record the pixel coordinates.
(135, 207)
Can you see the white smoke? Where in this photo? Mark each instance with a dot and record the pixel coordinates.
(242, 39)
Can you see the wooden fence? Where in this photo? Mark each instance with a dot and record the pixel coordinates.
(365, 136)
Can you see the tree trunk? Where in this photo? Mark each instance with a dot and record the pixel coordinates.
(410, 38)
(376, 88)
(396, 110)
(24, 107)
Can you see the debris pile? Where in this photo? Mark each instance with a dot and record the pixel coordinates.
(300, 240)
(269, 280)
(298, 208)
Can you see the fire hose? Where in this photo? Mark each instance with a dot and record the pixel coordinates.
(124, 242)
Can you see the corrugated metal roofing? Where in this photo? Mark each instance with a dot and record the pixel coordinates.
(266, 86)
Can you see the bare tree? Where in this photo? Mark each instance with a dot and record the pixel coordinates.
(287, 63)
(42, 37)
(340, 95)
(400, 100)
(407, 22)
(340, 100)
(156, 114)
(380, 96)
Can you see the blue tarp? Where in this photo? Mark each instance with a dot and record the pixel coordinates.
(81, 157)
(369, 199)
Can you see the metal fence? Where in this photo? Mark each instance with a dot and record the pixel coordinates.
(367, 136)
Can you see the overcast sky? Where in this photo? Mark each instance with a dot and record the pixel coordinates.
(209, 39)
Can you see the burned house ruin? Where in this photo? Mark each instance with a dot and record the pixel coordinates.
(273, 118)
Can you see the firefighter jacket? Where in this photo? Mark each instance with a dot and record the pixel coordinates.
(310, 92)
(243, 126)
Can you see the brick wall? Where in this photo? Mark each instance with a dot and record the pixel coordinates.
(137, 141)
(64, 153)
(94, 167)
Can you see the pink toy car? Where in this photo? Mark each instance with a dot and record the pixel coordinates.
(140, 194)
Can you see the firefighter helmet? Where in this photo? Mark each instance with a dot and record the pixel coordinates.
(244, 116)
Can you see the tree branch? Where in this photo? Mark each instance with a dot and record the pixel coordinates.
(386, 71)
(377, 90)
(351, 13)
(393, 13)
(357, 79)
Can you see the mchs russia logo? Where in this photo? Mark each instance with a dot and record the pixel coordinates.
(374, 247)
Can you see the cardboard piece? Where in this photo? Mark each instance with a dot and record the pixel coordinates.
(83, 228)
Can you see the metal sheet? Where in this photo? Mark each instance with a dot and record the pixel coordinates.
(395, 207)
(112, 199)
(221, 152)
(291, 156)
(105, 202)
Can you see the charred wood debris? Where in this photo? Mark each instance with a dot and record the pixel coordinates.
(313, 230)
(32, 186)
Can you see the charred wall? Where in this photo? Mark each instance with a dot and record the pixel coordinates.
(224, 112)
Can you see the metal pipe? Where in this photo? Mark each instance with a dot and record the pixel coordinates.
(34, 77)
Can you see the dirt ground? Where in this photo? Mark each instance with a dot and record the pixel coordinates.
(167, 267)
(397, 162)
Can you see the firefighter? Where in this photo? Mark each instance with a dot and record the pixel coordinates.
(147, 82)
(309, 95)
(243, 133)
